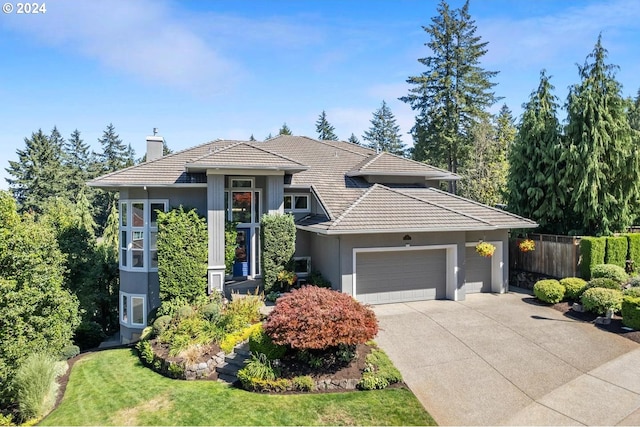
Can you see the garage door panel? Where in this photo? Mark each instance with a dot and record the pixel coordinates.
(477, 271)
(406, 275)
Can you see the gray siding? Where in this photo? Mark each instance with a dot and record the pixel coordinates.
(133, 282)
(325, 257)
(500, 236)
(478, 272)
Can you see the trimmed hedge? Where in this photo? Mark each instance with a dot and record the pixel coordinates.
(599, 300)
(633, 240)
(549, 290)
(592, 251)
(603, 282)
(616, 253)
(573, 287)
(632, 292)
(610, 271)
(631, 312)
(278, 237)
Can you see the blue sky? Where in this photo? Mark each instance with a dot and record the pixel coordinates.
(227, 69)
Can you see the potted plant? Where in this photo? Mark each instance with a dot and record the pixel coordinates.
(527, 245)
(485, 249)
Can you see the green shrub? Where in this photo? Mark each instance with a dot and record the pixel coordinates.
(170, 307)
(631, 311)
(232, 339)
(230, 244)
(573, 287)
(69, 352)
(241, 312)
(278, 237)
(610, 271)
(261, 343)
(634, 249)
(161, 324)
(257, 368)
(145, 351)
(316, 279)
(182, 254)
(184, 312)
(603, 282)
(88, 335)
(303, 383)
(549, 290)
(254, 384)
(211, 311)
(35, 386)
(617, 249)
(379, 372)
(599, 300)
(592, 251)
(633, 292)
(6, 420)
(189, 331)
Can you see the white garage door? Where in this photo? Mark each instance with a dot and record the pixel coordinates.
(401, 276)
(478, 272)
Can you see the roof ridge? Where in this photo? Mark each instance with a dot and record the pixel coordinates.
(419, 163)
(354, 204)
(254, 145)
(429, 202)
(480, 204)
(216, 151)
(330, 141)
(367, 161)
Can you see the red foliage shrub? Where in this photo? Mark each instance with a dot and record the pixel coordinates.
(316, 318)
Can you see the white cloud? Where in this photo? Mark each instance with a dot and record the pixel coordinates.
(538, 40)
(142, 38)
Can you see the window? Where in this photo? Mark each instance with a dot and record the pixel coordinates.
(133, 310)
(241, 182)
(296, 203)
(302, 266)
(139, 233)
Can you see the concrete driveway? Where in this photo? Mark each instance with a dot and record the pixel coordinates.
(499, 360)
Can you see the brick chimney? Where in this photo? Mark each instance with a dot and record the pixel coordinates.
(155, 146)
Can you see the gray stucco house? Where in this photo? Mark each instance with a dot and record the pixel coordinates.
(374, 224)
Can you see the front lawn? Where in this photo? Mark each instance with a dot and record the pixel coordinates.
(113, 388)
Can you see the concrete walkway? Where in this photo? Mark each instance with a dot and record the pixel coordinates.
(500, 360)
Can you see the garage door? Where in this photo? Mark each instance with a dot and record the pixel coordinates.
(478, 271)
(401, 276)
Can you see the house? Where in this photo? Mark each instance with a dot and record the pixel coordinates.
(374, 224)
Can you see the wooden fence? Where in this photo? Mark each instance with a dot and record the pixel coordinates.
(556, 256)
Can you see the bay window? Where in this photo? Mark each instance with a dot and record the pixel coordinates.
(133, 310)
(139, 233)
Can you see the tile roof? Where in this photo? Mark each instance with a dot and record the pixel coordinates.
(334, 171)
(389, 164)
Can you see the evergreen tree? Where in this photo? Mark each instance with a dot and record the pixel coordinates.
(452, 94)
(634, 113)
(77, 162)
(38, 173)
(384, 134)
(324, 128)
(115, 154)
(534, 183)
(284, 130)
(131, 155)
(602, 162)
(83, 214)
(252, 138)
(354, 139)
(111, 231)
(268, 137)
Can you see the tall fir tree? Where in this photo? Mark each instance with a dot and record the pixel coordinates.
(77, 162)
(38, 174)
(452, 94)
(115, 154)
(353, 139)
(326, 132)
(535, 186)
(602, 163)
(252, 138)
(284, 130)
(384, 134)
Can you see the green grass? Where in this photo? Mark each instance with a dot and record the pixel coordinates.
(113, 388)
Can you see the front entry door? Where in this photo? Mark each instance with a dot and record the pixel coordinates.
(242, 263)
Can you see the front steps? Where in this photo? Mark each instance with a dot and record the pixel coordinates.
(233, 362)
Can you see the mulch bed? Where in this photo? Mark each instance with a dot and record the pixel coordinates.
(615, 327)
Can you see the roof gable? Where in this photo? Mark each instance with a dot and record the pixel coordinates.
(244, 156)
(391, 165)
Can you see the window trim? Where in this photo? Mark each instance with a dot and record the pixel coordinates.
(293, 202)
(126, 316)
(126, 263)
(302, 273)
(251, 179)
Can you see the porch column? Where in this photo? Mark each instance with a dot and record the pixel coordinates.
(275, 194)
(215, 227)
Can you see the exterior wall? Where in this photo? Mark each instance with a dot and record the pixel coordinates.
(303, 243)
(325, 256)
(500, 266)
(349, 242)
